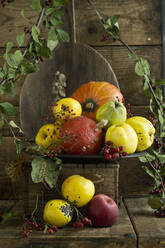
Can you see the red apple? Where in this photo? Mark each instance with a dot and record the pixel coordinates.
(102, 210)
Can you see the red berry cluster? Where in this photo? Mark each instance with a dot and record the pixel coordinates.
(111, 152)
(27, 30)
(81, 223)
(104, 38)
(158, 144)
(128, 109)
(158, 190)
(29, 226)
(52, 229)
(152, 120)
(160, 213)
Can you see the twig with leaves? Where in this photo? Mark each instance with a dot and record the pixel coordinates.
(21, 63)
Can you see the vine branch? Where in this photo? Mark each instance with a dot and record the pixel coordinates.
(117, 37)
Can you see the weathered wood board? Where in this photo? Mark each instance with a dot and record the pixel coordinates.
(140, 21)
(150, 230)
(133, 179)
(120, 235)
(79, 63)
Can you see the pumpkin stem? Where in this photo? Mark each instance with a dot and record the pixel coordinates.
(89, 105)
(101, 124)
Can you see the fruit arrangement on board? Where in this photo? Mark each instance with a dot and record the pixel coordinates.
(101, 210)
(93, 120)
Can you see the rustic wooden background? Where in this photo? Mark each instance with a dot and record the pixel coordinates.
(140, 25)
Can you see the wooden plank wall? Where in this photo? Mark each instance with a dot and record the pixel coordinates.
(140, 25)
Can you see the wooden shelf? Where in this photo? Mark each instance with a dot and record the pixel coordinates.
(137, 227)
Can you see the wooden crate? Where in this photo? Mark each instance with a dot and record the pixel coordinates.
(104, 175)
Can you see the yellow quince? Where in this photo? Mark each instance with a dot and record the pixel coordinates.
(145, 131)
(48, 135)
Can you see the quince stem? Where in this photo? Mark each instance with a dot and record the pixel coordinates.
(101, 124)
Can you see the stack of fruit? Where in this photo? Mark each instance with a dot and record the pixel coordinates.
(78, 191)
(93, 111)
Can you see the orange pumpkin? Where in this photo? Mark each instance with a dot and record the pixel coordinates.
(93, 94)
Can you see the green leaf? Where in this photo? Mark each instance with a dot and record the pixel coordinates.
(146, 158)
(55, 22)
(1, 139)
(23, 15)
(59, 3)
(162, 171)
(30, 47)
(1, 73)
(160, 117)
(115, 29)
(155, 203)
(142, 67)
(28, 67)
(18, 144)
(46, 170)
(20, 38)
(15, 59)
(50, 11)
(148, 171)
(51, 44)
(162, 158)
(160, 82)
(14, 125)
(52, 39)
(64, 36)
(43, 50)
(8, 215)
(36, 5)
(52, 35)
(133, 56)
(2, 90)
(162, 135)
(58, 14)
(114, 19)
(5, 68)
(18, 56)
(11, 89)
(11, 73)
(35, 33)
(9, 46)
(8, 109)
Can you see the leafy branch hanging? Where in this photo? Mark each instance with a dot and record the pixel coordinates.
(154, 159)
